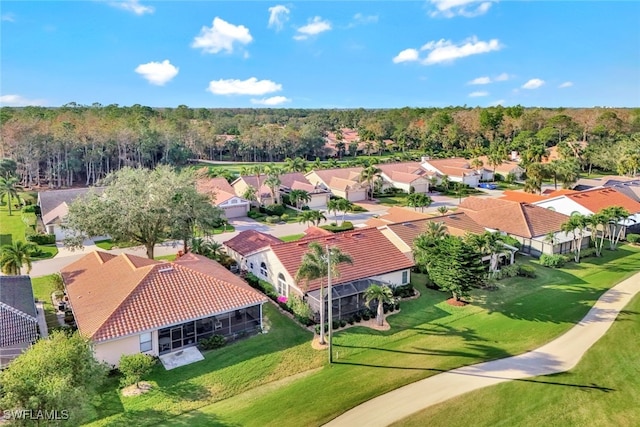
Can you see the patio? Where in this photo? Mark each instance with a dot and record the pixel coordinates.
(347, 298)
(182, 357)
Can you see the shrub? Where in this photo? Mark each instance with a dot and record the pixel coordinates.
(213, 342)
(526, 271)
(275, 210)
(588, 252)
(350, 320)
(553, 261)
(29, 209)
(634, 239)
(508, 271)
(305, 208)
(366, 314)
(254, 214)
(511, 241)
(134, 367)
(345, 226)
(273, 219)
(356, 208)
(285, 217)
(300, 309)
(357, 317)
(335, 324)
(42, 239)
(343, 323)
(404, 291)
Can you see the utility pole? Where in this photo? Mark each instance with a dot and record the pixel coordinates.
(330, 305)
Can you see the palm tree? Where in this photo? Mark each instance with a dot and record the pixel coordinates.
(477, 164)
(250, 194)
(445, 182)
(617, 218)
(550, 238)
(575, 225)
(257, 170)
(311, 217)
(295, 165)
(13, 257)
(315, 265)
(598, 225)
(345, 206)
(369, 175)
(332, 206)
(442, 210)
(489, 243)
(383, 295)
(273, 182)
(9, 188)
(419, 200)
(296, 196)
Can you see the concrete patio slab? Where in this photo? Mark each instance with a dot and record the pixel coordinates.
(181, 357)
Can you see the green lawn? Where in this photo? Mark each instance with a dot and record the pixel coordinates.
(427, 337)
(165, 257)
(399, 199)
(43, 287)
(109, 244)
(603, 390)
(284, 351)
(292, 237)
(12, 227)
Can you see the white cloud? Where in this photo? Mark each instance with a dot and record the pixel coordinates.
(278, 15)
(132, 6)
(221, 36)
(444, 51)
(315, 26)
(478, 94)
(466, 8)
(157, 73)
(533, 84)
(360, 19)
(406, 55)
(496, 103)
(502, 77)
(565, 85)
(274, 100)
(480, 81)
(251, 86)
(8, 17)
(19, 101)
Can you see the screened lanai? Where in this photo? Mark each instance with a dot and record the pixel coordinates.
(347, 298)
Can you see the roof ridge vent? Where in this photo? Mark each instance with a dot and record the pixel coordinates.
(165, 269)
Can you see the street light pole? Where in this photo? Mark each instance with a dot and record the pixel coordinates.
(330, 305)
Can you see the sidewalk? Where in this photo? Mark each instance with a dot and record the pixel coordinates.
(560, 355)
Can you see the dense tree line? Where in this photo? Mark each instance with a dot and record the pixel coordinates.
(77, 144)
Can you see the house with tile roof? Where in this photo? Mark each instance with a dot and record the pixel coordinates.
(396, 214)
(457, 169)
(528, 223)
(288, 181)
(405, 176)
(127, 304)
(524, 197)
(504, 168)
(278, 264)
(605, 181)
(245, 244)
(54, 207)
(18, 317)
(349, 137)
(592, 201)
(223, 196)
(341, 182)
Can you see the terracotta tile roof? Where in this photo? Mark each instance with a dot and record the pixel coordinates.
(519, 219)
(218, 189)
(405, 167)
(521, 196)
(554, 193)
(317, 231)
(115, 298)
(458, 224)
(309, 188)
(372, 254)
(504, 168)
(249, 241)
(342, 184)
(600, 198)
(397, 214)
(404, 177)
(343, 173)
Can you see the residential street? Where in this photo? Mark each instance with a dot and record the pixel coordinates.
(560, 355)
(66, 257)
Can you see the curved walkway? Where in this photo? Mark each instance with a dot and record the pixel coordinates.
(560, 355)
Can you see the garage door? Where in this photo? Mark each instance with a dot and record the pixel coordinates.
(357, 195)
(235, 211)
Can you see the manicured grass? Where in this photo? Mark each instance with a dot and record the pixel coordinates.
(224, 229)
(603, 390)
(109, 244)
(165, 257)
(48, 251)
(292, 237)
(399, 199)
(427, 337)
(284, 351)
(43, 287)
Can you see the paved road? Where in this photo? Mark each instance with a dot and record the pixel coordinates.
(560, 355)
(66, 257)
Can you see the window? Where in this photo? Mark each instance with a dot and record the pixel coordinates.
(145, 342)
(263, 269)
(405, 277)
(282, 285)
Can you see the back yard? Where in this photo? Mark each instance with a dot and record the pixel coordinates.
(250, 383)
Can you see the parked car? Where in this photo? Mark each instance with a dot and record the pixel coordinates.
(488, 185)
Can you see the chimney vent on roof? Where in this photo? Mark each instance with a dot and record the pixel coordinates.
(165, 269)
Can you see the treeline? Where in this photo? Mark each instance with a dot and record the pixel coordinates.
(77, 144)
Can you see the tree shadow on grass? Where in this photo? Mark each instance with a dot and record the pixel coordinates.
(185, 391)
(6, 239)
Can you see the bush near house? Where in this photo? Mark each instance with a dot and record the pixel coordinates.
(345, 226)
(526, 271)
(42, 239)
(134, 367)
(634, 239)
(553, 261)
(404, 291)
(213, 342)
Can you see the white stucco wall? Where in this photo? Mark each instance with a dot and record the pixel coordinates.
(563, 205)
(319, 200)
(111, 351)
(394, 278)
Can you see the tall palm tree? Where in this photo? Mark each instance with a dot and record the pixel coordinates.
(332, 206)
(575, 225)
(445, 182)
(344, 206)
(315, 265)
(299, 197)
(273, 182)
(369, 175)
(13, 257)
(9, 188)
(311, 217)
(489, 243)
(419, 200)
(383, 295)
(250, 194)
(598, 225)
(617, 218)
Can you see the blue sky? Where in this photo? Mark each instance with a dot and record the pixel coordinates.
(346, 54)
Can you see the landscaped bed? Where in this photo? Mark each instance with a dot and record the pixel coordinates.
(428, 336)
